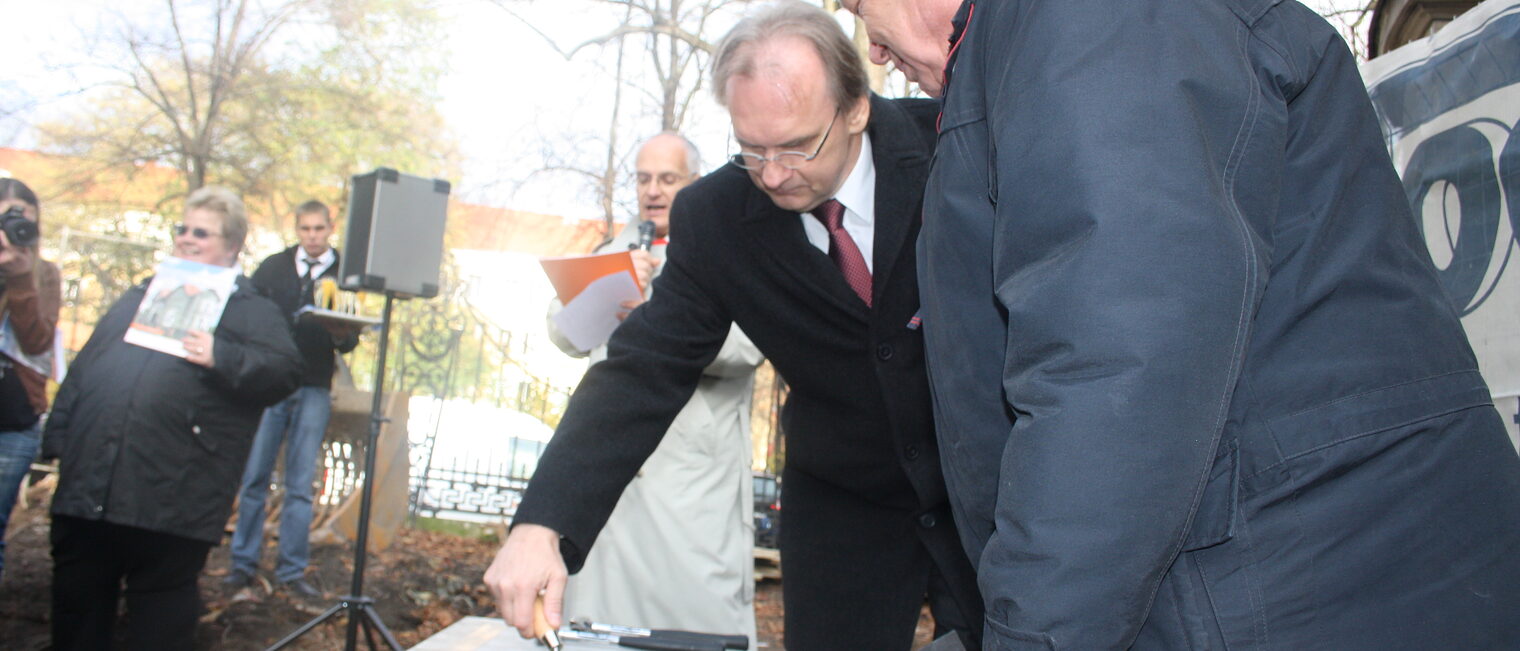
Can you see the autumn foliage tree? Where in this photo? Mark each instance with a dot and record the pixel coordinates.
(280, 101)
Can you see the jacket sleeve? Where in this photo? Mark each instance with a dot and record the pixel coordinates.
(347, 343)
(57, 428)
(255, 358)
(31, 301)
(624, 405)
(1128, 279)
(108, 331)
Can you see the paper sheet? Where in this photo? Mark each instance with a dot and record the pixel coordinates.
(43, 363)
(589, 319)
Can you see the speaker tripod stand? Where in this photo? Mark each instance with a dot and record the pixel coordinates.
(361, 609)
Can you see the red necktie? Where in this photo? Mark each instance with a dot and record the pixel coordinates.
(843, 251)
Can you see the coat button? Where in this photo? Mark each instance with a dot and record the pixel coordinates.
(99, 508)
(911, 452)
(927, 520)
(884, 352)
(195, 429)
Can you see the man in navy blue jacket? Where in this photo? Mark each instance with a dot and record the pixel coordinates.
(1197, 385)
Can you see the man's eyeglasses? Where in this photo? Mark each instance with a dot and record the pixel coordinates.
(197, 232)
(789, 159)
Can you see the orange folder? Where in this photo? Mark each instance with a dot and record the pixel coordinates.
(571, 274)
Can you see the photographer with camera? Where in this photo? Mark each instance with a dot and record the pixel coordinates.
(29, 296)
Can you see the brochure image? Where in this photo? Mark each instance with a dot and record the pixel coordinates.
(182, 296)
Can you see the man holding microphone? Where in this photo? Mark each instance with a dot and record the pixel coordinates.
(677, 551)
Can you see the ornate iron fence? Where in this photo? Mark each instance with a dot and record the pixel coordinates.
(456, 355)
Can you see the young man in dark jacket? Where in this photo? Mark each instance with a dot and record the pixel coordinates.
(299, 421)
(148, 444)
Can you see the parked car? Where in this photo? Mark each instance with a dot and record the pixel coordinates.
(767, 509)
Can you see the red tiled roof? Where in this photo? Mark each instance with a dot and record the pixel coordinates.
(145, 187)
(501, 229)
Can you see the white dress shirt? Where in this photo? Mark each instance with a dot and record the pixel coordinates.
(858, 196)
(323, 262)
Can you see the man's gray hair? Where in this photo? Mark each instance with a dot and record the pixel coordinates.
(841, 63)
(226, 203)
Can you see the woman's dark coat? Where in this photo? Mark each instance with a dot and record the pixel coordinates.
(146, 439)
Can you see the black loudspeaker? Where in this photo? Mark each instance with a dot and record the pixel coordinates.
(395, 234)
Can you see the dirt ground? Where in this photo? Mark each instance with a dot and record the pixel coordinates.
(423, 583)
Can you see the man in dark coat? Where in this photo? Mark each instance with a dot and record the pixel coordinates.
(149, 447)
(299, 422)
(1201, 385)
(867, 532)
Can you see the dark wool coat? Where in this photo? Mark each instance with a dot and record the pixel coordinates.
(865, 503)
(1196, 381)
(276, 278)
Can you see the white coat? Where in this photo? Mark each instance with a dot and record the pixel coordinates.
(677, 551)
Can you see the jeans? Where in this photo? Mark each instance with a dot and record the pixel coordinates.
(299, 421)
(17, 450)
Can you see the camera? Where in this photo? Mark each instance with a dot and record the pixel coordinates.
(22, 232)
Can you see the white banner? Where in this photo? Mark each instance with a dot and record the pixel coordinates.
(1449, 106)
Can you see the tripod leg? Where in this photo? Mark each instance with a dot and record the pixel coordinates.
(379, 626)
(326, 615)
(369, 634)
(355, 602)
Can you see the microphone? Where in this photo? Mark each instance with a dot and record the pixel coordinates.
(646, 235)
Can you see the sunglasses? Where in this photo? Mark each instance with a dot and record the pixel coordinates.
(197, 232)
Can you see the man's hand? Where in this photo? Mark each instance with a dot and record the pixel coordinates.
(529, 562)
(19, 259)
(643, 266)
(628, 307)
(340, 330)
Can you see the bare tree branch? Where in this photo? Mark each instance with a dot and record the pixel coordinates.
(506, 5)
(677, 48)
(621, 31)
